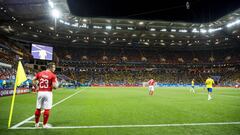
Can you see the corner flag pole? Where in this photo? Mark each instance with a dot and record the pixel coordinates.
(20, 78)
(12, 105)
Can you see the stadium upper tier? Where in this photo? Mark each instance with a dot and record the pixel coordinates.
(136, 55)
(50, 21)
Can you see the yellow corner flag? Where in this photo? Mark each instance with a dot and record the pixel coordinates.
(20, 78)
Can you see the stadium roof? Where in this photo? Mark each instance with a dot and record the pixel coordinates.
(31, 20)
(197, 11)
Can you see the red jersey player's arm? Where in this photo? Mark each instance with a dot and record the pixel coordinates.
(35, 81)
(54, 82)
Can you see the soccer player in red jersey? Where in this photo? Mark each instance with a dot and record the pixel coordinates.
(47, 80)
(151, 84)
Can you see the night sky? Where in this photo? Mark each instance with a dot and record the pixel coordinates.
(169, 10)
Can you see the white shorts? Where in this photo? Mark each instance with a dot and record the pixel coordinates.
(44, 100)
(151, 88)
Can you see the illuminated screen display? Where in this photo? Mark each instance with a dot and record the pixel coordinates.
(42, 52)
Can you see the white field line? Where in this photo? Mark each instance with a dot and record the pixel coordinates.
(32, 122)
(136, 126)
(28, 119)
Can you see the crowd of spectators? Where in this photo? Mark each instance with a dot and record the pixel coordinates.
(152, 56)
(130, 65)
(223, 76)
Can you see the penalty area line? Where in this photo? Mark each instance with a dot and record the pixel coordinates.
(135, 126)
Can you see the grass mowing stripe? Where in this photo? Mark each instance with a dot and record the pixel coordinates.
(24, 121)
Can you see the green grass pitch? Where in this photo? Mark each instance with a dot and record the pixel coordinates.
(95, 106)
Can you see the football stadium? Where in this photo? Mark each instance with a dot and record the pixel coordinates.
(119, 67)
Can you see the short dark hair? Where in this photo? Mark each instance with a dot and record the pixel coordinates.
(50, 65)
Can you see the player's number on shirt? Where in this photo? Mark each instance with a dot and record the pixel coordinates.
(43, 83)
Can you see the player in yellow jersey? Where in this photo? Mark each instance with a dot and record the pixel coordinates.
(209, 82)
(192, 88)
